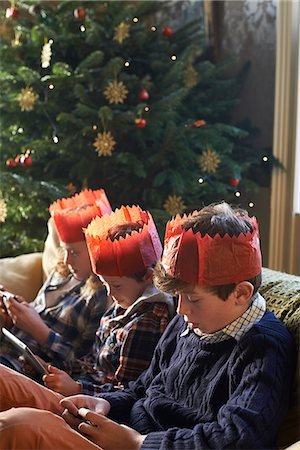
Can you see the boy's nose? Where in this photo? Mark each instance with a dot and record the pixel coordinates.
(183, 306)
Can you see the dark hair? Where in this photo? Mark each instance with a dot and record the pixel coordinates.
(217, 218)
(121, 230)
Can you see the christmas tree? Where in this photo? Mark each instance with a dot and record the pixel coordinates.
(109, 94)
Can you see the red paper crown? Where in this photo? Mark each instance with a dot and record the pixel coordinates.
(72, 214)
(127, 255)
(207, 261)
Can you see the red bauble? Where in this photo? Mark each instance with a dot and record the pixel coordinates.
(11, 13)
(79, 13)
(143, 94)
(11, 162)
(26, 160)
(17, 159)
(234, 182)
(167, 31)
(141, 123)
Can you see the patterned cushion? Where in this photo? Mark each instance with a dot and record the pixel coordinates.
(282, 294)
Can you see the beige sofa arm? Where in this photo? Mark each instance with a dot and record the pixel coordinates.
(22, 274)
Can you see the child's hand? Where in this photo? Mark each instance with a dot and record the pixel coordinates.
(60, 381)
(74, 403)
(28, 368)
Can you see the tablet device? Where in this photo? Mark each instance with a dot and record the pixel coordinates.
(25, 350)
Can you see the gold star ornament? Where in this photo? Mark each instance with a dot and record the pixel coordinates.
(174, 205)
(209, 161)
(115, 92)
(27, 99)
(104, 143)
(121, 32)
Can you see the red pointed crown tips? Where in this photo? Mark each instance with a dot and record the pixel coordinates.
(128, 254)
(72, 214)
(207, 261)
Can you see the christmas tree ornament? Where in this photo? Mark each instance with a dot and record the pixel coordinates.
(234, 182)
(139, 249)
(209, 161)
(26, 160)
(204, 260)
(3, 210)
(27, 99)
(121, 32)
(11, 13)
(46, 54)
(141, 123)
(167, 31)
(190, 77)
(197, 124)
(79, 13)
(17, 159)
(115, 92)
(10, 162)
(104, 143)
(143, 94)
(174, 205)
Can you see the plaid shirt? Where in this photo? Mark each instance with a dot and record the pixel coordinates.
(125, 342)
(73, 321)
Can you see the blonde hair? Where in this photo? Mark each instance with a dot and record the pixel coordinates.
(92, 283)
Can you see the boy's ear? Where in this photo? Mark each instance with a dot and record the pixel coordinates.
(243, 292)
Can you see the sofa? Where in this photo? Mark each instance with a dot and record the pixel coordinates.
(25, 274)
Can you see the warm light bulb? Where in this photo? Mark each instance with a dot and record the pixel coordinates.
(265, 158)
(250, 204)
(55, 139)
(146, 108)
(153, 28)
(201, 180)
(51, 86)
(237, 194)
(50, 41)
(20, 130)
(126, 63)
(173, 57)
(82, 28)
(94, 127)
(135, 19)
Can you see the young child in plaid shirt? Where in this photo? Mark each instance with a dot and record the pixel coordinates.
(123, 248)
(60, 324)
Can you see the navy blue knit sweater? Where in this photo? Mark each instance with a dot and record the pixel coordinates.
(198, 395)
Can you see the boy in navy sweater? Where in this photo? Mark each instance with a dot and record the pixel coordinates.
(221, 373)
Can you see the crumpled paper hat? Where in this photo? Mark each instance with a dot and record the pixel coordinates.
(72, 214)
(207, 261)
(127, 255)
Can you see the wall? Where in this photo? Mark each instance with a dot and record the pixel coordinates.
(248, 31)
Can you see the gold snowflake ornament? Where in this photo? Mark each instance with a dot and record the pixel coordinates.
(174, 205)
(190, 77)
(27, 99)
(121, 32)
(115, 92)
(104, 143)
(209, 161)
(3, 210)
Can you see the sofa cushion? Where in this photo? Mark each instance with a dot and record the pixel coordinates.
(282, 294)
(22, 274)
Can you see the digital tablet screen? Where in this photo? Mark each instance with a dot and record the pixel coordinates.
(25, 350)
